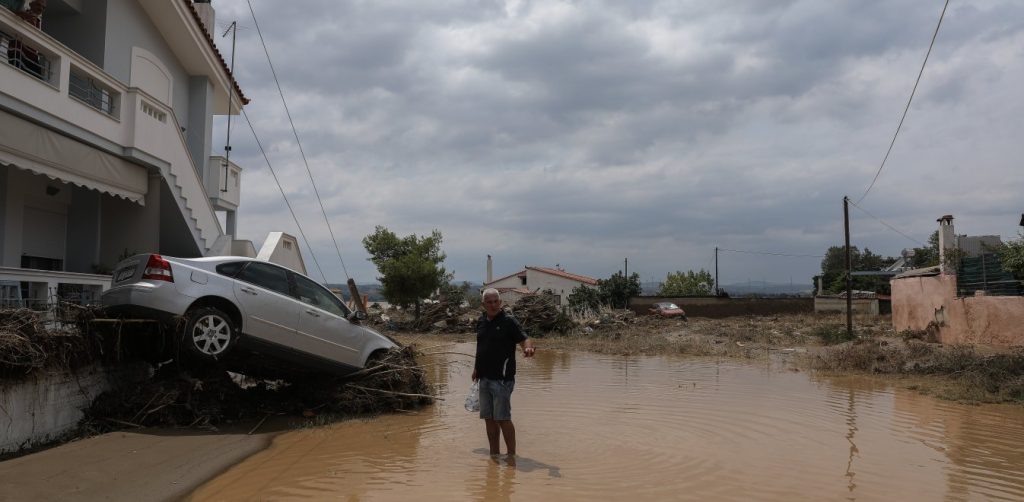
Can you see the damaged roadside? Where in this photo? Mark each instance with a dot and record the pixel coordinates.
(85, 374)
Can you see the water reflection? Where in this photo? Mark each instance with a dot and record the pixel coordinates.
(655, 428)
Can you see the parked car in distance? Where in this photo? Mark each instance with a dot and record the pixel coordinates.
(667, 309)
(248, 315)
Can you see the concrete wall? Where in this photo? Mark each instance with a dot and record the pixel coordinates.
(726, 307)
(81, 32)
(984, 320)
(45, 406)
(835, 304)
(561, 286)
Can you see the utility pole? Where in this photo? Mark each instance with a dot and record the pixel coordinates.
(849, 269)
(233, 28)
(717, 291)
(626, 266)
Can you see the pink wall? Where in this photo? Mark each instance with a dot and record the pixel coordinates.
(986, 320)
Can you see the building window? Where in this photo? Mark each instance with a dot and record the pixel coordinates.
(523, 280)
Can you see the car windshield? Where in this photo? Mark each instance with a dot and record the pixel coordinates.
(669, 306)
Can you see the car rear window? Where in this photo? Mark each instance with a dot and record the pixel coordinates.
(230, 269)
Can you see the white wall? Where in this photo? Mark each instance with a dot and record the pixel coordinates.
(560, 286)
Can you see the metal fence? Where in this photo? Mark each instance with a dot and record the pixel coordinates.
(985, 273)
(26, 58)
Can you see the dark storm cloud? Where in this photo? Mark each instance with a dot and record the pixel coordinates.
(583, 132)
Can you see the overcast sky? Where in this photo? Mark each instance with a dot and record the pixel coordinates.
(580, 133)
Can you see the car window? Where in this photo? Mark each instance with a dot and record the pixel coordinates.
(266, 276)
(230, 269)
(316, 295)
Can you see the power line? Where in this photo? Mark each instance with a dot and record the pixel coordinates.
(297, 141)
(907, 108)
(279, 187)
(772, 254)
(894, 229)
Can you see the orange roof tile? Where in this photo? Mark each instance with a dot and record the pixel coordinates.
(561, 273)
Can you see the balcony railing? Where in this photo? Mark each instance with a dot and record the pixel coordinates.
(29, 59)
(92, 93)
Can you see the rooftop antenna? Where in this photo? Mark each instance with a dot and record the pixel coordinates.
(233, 28)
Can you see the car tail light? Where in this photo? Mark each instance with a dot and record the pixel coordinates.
(158, 269)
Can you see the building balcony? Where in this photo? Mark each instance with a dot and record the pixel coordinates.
(223, 183)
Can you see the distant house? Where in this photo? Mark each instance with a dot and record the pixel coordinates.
(532, 280)
(972, 302)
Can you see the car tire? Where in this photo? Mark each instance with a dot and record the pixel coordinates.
(209, 334)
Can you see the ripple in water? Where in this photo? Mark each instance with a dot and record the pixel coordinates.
(596, 427)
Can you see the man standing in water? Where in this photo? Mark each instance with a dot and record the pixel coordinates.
(497, 335)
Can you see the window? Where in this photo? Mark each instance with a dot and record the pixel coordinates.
(523, 280)
(316, 295)
(230, 269)
(266, 276)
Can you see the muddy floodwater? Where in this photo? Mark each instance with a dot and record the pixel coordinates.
(595, 427)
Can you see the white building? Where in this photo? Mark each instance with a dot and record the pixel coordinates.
(532, 280)
(106, 114)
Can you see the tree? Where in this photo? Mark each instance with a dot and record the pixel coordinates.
(687, 283)
(833, 270)
(618, 289)
(927, 256)
(584, 299)
(410, 266)
(1012, 257)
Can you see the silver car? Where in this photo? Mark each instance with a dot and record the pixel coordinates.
(254, 316)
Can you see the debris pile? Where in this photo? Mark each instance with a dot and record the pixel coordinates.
(27, 344)
(172, 398)
(541, 314)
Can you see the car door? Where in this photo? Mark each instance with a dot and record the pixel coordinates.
(323, 326)
(263, 292)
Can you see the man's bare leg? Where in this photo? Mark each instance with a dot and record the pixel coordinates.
(493, 435)
(509, 431)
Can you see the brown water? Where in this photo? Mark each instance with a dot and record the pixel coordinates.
(594, 427)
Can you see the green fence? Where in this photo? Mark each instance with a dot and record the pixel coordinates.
(985, 273)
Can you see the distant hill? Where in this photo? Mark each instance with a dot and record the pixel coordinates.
(763, 288)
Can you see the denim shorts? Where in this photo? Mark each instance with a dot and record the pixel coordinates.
(496, 399)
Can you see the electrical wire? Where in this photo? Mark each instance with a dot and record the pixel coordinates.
(907, 108)
(773, 254)
(279, 187)
(894, 229)
(297, 141)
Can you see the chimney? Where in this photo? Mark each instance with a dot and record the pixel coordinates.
(490, 270)
(947, 241)
(206, 15)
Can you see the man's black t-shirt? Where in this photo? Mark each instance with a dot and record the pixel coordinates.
(496, 341)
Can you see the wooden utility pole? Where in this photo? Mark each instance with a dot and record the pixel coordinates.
(716, 272)
(849, 269)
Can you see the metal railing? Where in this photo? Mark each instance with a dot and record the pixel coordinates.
(30, 60)
(88, 91)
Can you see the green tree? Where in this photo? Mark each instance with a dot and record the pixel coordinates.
(583, 299)
(410, 266)
(618, 289)
(833, 270)
(1012, 256)
(687, 283)
(927, 256)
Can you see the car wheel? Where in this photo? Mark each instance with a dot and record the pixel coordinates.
(209, 334)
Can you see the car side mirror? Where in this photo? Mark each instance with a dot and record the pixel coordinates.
(357, 315)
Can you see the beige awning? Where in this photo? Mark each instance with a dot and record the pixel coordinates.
(31, 147)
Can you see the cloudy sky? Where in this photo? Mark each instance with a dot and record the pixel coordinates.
(581, 133)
